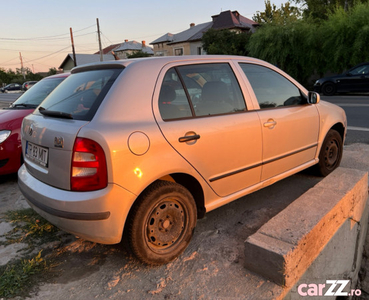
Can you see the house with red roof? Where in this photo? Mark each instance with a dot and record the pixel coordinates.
(188, 42)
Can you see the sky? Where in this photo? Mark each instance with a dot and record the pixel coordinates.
(38, 31)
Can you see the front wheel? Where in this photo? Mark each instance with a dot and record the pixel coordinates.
(329, 89)
(330, 154)
(162, 223)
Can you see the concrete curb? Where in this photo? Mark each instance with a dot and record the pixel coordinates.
(284, 248)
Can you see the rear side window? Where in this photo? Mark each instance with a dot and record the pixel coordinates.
(271, 88)
(200, 90)
(81, 94)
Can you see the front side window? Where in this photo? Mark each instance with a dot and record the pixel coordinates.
(362, 70)
(200, 90)
(271, 88)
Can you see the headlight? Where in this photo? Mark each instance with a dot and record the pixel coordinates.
(317, 82)
(4, 134)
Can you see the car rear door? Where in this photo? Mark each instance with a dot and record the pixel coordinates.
(290, 126)
(202, 114)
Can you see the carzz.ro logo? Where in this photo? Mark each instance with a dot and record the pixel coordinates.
(330, 288)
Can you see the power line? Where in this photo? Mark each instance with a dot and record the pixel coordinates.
(51, 37)
(8, 60)
(47, 55)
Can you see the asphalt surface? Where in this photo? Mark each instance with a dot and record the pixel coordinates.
(357, 111)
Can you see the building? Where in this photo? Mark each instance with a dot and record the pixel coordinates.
(82, 59)
(123, 50)
(188, 42)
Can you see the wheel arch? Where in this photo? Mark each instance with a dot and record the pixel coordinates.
(194, 187)
(191, 184)
(340, 129)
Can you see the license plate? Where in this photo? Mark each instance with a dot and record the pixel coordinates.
(37, 153)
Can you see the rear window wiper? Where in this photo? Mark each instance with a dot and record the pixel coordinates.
(53, 113)
(23, 105)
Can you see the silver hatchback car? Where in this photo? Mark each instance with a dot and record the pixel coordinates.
(147, 146)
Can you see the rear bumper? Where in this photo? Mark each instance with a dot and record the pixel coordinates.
(97, 216)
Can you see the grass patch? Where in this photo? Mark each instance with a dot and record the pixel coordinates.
(30, 228)
(19, 277)
(16, 278)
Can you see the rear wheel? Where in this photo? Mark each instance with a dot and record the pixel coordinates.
(162, 223)
(329, 89)
(330, 154)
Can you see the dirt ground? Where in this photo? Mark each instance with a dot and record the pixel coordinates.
(212, 267)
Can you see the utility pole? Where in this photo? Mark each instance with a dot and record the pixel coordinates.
(98, 34)
(74, 52)
(22, 69)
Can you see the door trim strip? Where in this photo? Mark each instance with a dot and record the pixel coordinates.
(262, 164)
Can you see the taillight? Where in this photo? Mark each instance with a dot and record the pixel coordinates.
(89, 170)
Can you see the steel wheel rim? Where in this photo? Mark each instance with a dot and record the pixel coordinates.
(329, 88)
(166, 224)
(331, 154)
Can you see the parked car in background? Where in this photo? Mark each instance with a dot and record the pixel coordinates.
(11, 120)
(28, 84)
(354, 80)
(12, 88)
(150, 145)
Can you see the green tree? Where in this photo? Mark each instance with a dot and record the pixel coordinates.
(226, 42)
(4, 77)
(280, 16)
(319, 10)
(288, 47)
(345, 37)
(52, 71)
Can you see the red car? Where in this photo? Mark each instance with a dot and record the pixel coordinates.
(11, 121)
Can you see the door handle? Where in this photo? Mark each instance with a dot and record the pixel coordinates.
(188, 138)
(270, 123)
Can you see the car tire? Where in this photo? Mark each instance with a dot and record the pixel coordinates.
(329, 89)
(330, 154)
(162, 223)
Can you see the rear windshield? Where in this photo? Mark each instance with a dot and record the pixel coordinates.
(33, 97)
(80, 95)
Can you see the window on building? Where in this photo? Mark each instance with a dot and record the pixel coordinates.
(178, 51)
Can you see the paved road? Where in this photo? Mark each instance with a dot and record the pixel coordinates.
(357, 111)
(9, 97)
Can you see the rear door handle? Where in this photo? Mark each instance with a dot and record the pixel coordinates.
(270, 123)
(188, 138)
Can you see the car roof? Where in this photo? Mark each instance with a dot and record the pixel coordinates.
(163, 60)
(61, 75)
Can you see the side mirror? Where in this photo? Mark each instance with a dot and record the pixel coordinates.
(313, 98)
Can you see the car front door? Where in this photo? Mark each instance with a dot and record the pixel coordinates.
(356, 80)
(290, 125)
(202, 114)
